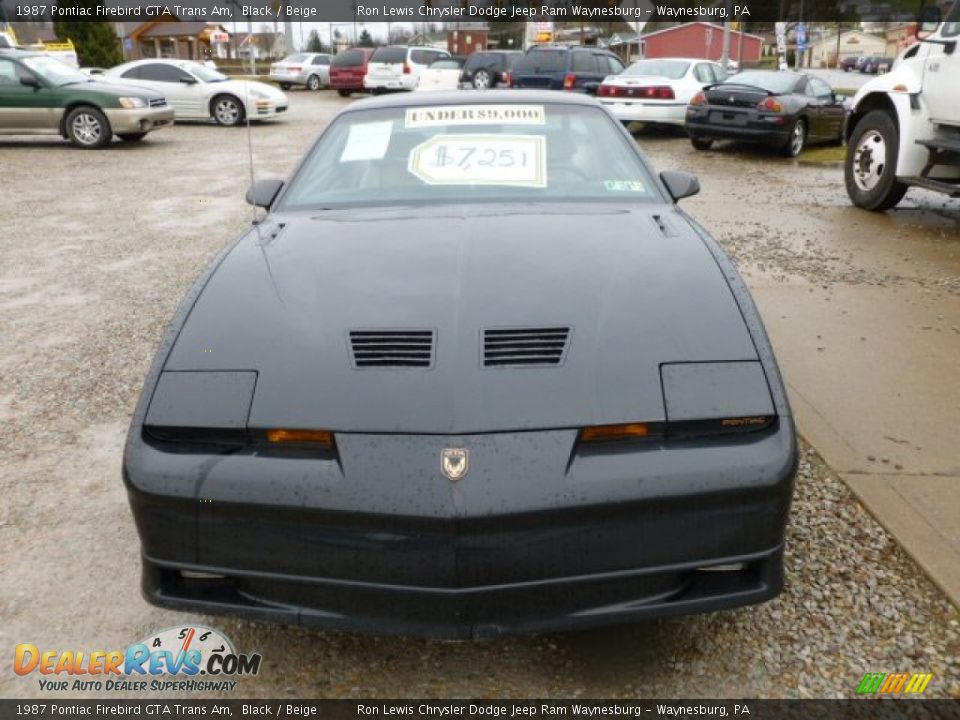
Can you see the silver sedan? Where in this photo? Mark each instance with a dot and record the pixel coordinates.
(311, 70)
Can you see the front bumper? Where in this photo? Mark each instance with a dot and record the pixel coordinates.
(620, 536)
(262, 109)
(139, 120)
(639, 111)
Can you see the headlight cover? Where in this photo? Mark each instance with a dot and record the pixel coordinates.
(207, 399)
(708, 397)
(131, 103)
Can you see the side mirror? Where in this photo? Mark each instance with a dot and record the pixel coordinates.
(188, 80)
(680, 184)
(929, 20)
(30, 81)
(263, 192)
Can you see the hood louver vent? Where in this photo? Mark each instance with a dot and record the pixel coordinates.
(525, 347)
(392, 348)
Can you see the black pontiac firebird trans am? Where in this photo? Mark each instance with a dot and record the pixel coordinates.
(474, 373)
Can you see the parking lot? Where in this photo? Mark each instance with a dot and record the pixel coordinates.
(99, 248)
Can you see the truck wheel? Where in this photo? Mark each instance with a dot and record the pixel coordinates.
(870, 169)
(88, 128)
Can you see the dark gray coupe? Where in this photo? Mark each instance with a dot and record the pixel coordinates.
(473, 373)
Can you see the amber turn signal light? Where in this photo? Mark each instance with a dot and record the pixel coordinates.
(628, 431)
(316, 437)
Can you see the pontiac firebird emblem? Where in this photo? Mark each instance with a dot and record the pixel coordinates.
(454, 462)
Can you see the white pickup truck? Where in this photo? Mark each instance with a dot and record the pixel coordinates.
(904, 129)
(62, 51)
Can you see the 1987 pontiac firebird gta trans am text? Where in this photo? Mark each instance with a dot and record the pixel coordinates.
(473, 373)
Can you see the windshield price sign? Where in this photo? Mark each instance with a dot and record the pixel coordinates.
(515, 160)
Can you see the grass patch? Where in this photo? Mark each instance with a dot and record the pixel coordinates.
(824, 155)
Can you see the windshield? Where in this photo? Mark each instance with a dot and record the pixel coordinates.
(349, 58)
(389, 55)
(672, 69)
(772, 81)
(470, 153)
(951, 27)
(54, 71)
(204, 73)
(539, 61)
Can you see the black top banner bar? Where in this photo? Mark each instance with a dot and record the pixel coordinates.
(493, 11)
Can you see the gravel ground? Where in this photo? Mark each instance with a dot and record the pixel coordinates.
(98, 251)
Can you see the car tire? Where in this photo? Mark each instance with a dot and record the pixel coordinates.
(700, 143)
(88, 128)
(313, 83)
(131, 137)
(871, 180)
(344, 93)
(482, 80)
(798, 139)
(285, 86)
(227, 110)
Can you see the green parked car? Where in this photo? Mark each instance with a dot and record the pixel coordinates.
(41, 95)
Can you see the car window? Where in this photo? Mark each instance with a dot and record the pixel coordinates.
(53, 71)
(670, 69)
(951, 25)
(158, 72)
(421, 57)
(321, 60)
(614, 65)
(446, 64)
(11, 73)
(541, 61)
(583, 62)
(348, 58)
(776, 82)
(133, 72)
(703, 73)
(477, 60)
(819, 89)
(389, 55)
(496, 153)
(719, 73)
(8, 72)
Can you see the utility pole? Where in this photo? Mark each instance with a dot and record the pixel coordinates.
(725, 57)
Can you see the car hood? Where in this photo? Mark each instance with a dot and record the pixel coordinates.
(242, 87)
(636, 287)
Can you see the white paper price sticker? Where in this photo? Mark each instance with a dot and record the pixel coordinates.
(514, 160)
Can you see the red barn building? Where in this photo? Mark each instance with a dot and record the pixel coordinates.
(702, 40)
